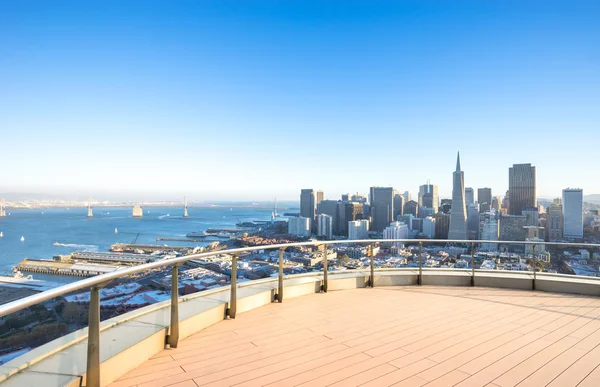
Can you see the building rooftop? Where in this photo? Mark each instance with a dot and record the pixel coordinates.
(402, 336)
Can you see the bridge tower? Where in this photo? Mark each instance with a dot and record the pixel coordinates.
(90, 212)
(2, 207)
(185, 211)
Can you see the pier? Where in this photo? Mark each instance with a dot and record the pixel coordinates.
(63, 268)
(126, 247)
(113, 258)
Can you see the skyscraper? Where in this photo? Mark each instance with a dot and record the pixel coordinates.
(428, 196)
(473, 220)
(307, 204)
(554, 221)
(572, 199)
(325, 226)
(521, 188)
(320, 197)
(410, 207)
(398, 205)
(484, 198)
(458, 212)
(469, 196)
(382, 207)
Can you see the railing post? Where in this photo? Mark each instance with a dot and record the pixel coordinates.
(93, 347)
(420, 279)
(173, 337)
(372, 264)
(233, 297)
(534, 266)
(324, 287)
(472, 264)
(279, 295)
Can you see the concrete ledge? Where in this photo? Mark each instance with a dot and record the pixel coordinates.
(130, 339)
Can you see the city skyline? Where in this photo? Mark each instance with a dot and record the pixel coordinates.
(109, 100)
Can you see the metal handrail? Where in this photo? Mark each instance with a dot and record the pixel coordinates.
(98, 282)
(23, 303)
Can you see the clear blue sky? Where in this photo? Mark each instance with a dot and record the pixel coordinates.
(255, 100)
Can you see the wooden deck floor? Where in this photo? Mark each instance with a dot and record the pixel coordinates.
(401, 336)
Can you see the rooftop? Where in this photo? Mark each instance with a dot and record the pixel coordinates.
(401, 335)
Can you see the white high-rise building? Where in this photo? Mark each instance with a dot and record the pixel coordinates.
(325, 226)
(429, 227)
(358, 229)
(572, 213)
(396, 230)
(489, 230)
(458, 212)
(299, 226)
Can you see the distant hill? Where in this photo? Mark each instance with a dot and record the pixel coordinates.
(594, 198)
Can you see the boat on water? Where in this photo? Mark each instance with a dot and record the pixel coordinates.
(22, 239)
(116, 231)
(56, 244)
(1, 234)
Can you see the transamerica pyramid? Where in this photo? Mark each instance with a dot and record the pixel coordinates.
(458, 213)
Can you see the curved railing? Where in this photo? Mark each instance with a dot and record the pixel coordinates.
(98, 282)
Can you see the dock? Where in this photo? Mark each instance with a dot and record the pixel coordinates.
(64, 268)
(143, 249)
(113, 258)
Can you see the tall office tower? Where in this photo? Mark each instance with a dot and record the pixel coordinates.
(433, 199)
(446, 206)
(398, 205)
(325, 226)
(320, 197)
(512, 228)
(521, 188)
(407, 196)
(484, 195)
(429, 227)
(346, 197)
(299, 226)
(358, 229)
(533, 216)
(572, 199)
(442, 225)
(473, 220)
(331, 208)
(396, 230)
(489, 230)
(382, 207)
(307, 204)
(458, 212)
(554, 221)
(469, 196)
(410, 207)
(352, 212)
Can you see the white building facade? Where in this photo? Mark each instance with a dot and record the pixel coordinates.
(299, 226)
(325, 226)
(396, 230)
(358, 229)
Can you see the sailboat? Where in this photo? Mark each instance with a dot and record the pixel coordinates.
(22, 239)
(1, 234)
(116, 231)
